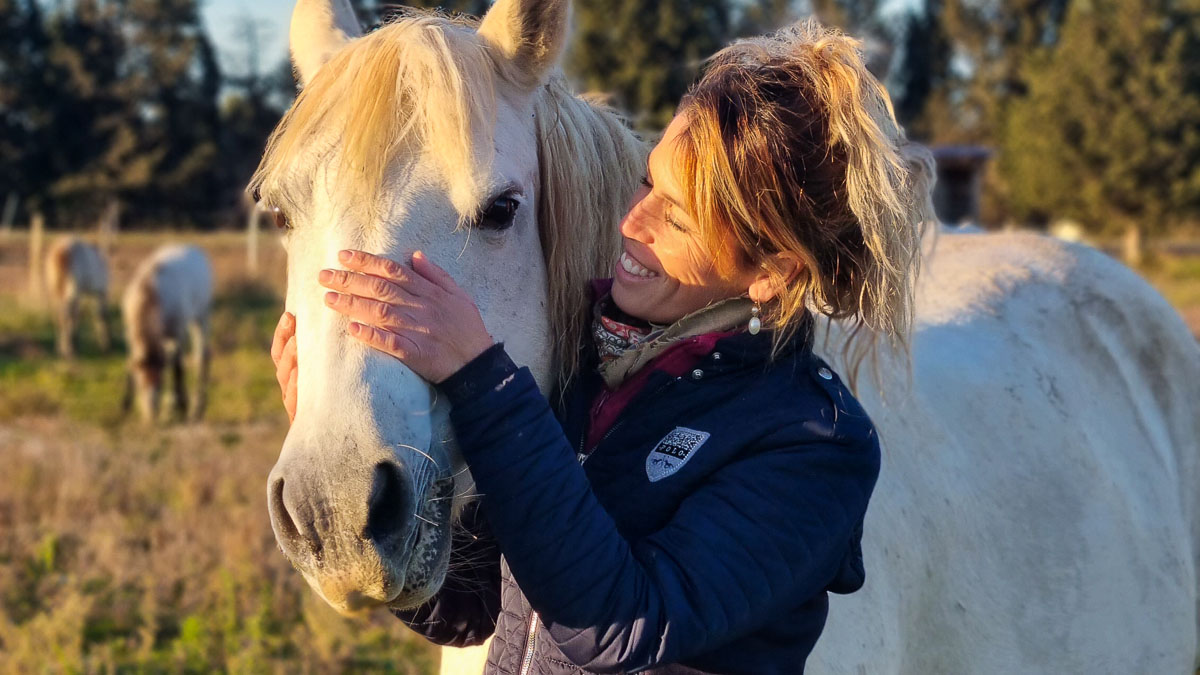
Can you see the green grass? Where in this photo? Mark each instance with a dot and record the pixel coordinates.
(1177, 278)
(131, 549)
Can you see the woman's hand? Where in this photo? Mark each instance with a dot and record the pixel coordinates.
(283, 353)
(418, 314)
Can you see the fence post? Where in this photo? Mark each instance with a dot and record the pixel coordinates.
(110, 225)
(37, 234)
(252, 214)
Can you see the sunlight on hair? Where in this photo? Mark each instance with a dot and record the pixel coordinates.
(792, 146)
(421, 82)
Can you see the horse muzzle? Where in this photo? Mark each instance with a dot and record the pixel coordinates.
(363, 536)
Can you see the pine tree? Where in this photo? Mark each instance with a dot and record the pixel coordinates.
(26, 93)
(1109, 133)
(89, 146)
(993, 39)
(924, 74)
(172, 69)
(646, 54)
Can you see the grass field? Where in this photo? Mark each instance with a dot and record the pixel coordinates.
(127, 549)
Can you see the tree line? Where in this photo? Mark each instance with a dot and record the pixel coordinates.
(104, 100)
(1091, 107)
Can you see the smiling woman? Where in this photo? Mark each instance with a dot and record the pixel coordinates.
(667, 270)
(752, 207)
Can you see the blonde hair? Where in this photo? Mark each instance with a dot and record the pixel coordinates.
(791, 145)
(428, 83)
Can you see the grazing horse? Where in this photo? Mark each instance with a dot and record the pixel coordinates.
(1037, 509)
(166, 309)
(77, 271)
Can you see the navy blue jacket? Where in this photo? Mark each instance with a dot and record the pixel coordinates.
(704, 530)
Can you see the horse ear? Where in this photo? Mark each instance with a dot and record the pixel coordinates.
(531, 33)
(319, 29)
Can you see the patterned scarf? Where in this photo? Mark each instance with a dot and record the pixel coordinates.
(615, 332)
(625, 343)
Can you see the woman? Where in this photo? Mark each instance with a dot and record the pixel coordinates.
(704, 485)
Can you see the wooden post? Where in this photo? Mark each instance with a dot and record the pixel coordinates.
(110, 225)
(252, 212)
(37, 233)
(1132, 247)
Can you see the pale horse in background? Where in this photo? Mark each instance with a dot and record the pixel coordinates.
(1037, 510)
(77, 273)
(166, 310)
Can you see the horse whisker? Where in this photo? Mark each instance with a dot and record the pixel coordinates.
(425, 455)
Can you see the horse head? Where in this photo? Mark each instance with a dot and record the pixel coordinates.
(459, 139)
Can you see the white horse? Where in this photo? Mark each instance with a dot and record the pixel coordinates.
(1037, 510)
(77, 271)
(166, 309)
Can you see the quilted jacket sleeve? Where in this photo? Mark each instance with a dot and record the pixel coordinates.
(770, 531)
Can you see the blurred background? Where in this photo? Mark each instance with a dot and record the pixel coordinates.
(135, 123)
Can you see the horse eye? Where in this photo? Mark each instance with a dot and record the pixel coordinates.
(281, 219)
(499, 215)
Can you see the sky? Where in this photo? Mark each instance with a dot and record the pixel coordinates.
(225, 18)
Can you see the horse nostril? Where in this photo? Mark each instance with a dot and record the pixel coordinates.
(390, 506)
(284, 525)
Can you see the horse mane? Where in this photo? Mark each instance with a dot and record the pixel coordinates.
(590, 163)
(427, 81)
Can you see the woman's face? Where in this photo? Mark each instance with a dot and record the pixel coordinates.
(665, 271)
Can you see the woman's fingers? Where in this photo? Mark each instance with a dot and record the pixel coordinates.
(431, 271)
(364, 285)
(286, 328)
(290, 394)
(369, 263)
(385, 341)
(285, 365)
(283, 353)
(375, 312)
(366, 310)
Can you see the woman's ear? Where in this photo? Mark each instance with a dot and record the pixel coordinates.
(767, 285)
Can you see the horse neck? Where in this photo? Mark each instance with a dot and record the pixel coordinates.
(143, 316)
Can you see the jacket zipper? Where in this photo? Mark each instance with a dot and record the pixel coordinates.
(531, 634)
(527, 657)
(583, 439)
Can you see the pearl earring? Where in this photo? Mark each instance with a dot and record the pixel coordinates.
(755, 322)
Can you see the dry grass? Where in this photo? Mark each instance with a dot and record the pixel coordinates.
(1177, 277)
(126, 549)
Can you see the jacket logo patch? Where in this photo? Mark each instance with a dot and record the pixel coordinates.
(673, 451)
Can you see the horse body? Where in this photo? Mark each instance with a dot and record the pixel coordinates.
(1037, 508)
(1036, 511)
(166, 310)
(77, 271)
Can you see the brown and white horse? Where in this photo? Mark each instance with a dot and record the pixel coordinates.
(76, 273)
(166, 310)
(1038, 508)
